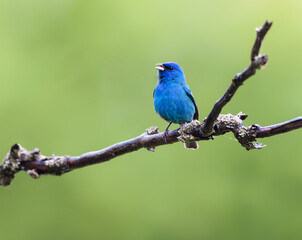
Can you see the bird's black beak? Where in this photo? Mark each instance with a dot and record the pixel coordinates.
(160, 67)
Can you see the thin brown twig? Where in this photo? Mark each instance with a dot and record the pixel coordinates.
(279, 128)
(261, 32)
(256, 63)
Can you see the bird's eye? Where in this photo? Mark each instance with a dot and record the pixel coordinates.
(170, 68)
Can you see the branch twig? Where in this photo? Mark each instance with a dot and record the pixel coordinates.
(279, 128)
(256, 63)
(35, 164)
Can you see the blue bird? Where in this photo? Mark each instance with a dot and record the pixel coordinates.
(173, 99)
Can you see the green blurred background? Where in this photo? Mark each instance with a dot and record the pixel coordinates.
(78, 76)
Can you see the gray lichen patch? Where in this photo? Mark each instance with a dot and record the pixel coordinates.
(185, 131)
(187, 127)
(228, 120)
(151, 149)
(152, 130)
(242, 115)
(57, 165)
(186, 138)
(10, 165)
(33, 173)
(246, 137)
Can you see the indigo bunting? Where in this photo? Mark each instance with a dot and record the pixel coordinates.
(173, 99)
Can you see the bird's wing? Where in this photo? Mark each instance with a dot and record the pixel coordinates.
(189, 94)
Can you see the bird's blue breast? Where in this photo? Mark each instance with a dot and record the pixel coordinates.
(172, 103)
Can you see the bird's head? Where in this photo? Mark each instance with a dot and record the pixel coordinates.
(170, 71)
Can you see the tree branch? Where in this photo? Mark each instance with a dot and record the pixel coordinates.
(35, 164)
(256, 63)
(279, 128)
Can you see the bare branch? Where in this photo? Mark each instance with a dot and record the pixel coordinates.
(279, 128)
(256, 63)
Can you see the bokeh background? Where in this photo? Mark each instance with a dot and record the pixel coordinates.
(78, 76)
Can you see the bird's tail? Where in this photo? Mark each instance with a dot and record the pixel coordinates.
(191, 145)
